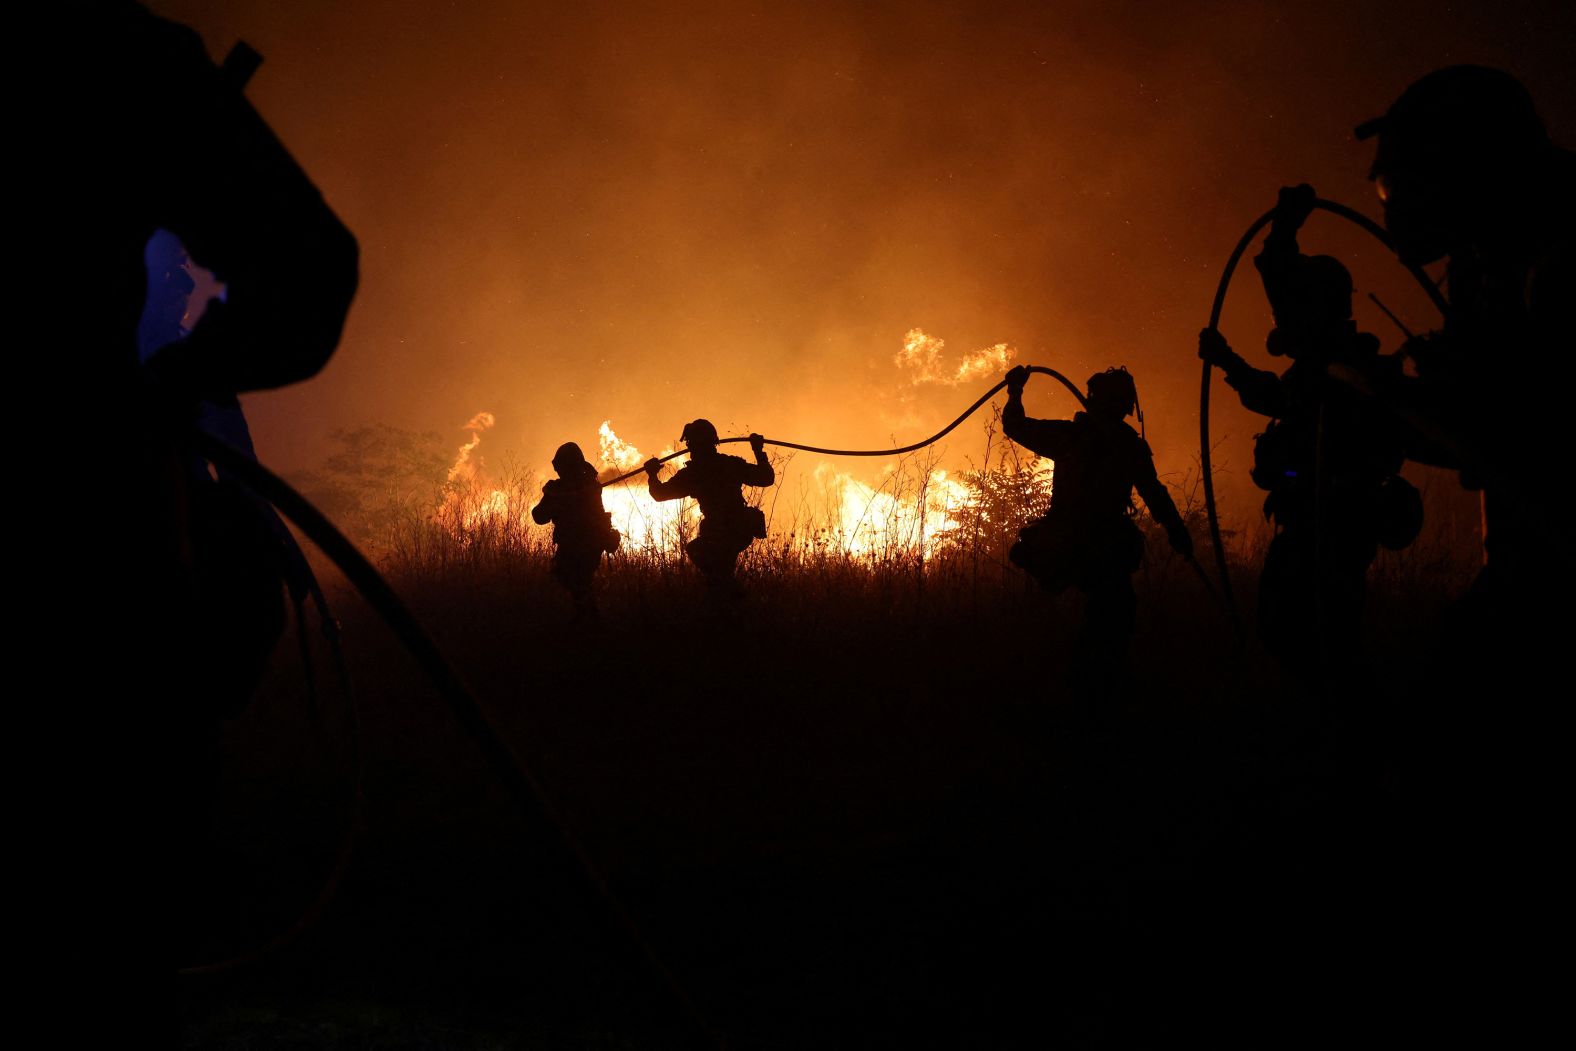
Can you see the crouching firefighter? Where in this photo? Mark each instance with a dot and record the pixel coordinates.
(582, 530)
(1087, 538)
(728, 524)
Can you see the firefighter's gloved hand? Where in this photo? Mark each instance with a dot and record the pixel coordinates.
(1017, 378)
(1294, 205)
(1181, 541)
(653, 465)
(1213, 348)
(757, 443)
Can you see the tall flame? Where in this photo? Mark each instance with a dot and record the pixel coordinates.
(645, 523)
(463, 468)
(472, 508)
(615, 451)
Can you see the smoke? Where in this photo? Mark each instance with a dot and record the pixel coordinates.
(581, 211)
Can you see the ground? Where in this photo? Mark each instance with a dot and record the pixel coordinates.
(852, 811)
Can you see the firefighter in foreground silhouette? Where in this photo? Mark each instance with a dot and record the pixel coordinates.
(1466, 170)
(728, 524)
(1328, 458)
(1087, 539)
(582, 530)
(136, 673)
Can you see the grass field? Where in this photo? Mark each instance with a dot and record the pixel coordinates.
(858, 809)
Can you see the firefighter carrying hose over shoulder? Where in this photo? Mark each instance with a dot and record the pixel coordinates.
(728, 524)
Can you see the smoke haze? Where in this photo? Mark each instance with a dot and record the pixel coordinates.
(645, 213)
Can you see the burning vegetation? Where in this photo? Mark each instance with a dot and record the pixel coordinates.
(911, 509)
(914, 509)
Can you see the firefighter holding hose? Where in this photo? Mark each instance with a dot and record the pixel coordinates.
(728, 524)
(1328, 459)
(1087, 538)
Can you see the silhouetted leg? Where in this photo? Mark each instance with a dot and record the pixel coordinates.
(1346, 552)
(575, 569)
(1110, 612)
(1289, 598)
(716, 554)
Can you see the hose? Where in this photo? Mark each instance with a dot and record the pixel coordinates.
(933, 439)
(517, 778)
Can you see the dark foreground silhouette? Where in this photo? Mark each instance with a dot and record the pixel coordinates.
(1466, 171)
(170, 590)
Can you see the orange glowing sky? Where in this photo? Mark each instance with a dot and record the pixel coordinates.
(648, 212)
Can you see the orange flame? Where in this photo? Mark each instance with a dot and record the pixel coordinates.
(469, 508)
(897, 516)
(615, 451)
(904, 513)
(646, 524)
(921, 356)
(462, 464)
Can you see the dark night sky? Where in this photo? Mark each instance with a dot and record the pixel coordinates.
(648, 212)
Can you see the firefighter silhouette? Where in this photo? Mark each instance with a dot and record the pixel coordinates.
(155, 136)
(1467, 172)
(1087, 539)
(1328, 459)
(728, 524)
(582, 530)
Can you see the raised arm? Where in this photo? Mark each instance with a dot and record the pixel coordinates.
(1277, 261)
(1260, 390)
(1046, 438)
(759, 473)
(676, 488)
